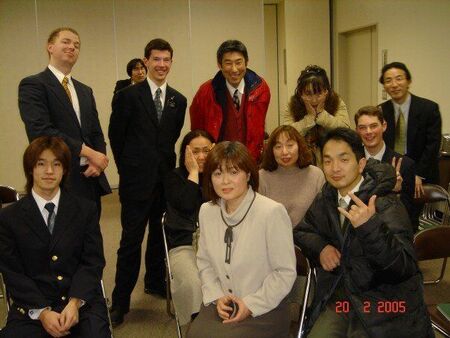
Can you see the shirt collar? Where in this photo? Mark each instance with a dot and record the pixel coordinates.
(41, 202)
(240, 87)
(347, 197)
(154, 87)
(59, 75)
(404, 106)
(378, 156)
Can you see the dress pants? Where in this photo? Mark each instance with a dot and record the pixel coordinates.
(135, 216)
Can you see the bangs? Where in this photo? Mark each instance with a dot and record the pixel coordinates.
(313, 84)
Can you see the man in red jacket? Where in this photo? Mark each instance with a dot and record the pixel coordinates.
(233, 105)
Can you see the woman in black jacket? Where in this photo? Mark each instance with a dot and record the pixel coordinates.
(184, 198)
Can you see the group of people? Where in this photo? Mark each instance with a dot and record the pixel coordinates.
(235, 206)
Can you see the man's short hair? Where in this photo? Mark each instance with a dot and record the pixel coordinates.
(348, 136)
(398, 65)
(371, 111)
(54, 34)
(133, 63)
(157, 44)
(31, 156)
(231, 46)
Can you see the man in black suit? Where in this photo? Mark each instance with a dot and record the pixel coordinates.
(370, 125)
(52, 252)
(413, 124)
(145, 124)
(137, 72)
(54, 103)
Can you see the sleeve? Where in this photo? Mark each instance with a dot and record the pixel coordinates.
(34, 111)
(386, 239)
(96, 133)
(181, 193)
(196, 112)
(118, 125)
(211, 287)
(340, 119)
(22, 289)
(281, 255)
(86, 279)
(432, 143)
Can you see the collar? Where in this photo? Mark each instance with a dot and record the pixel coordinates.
(378, 156)
(59, 75)
(347, 197)
(41, 202)
(240, 87)
(237, 215)
(154, 87)
(404, 106)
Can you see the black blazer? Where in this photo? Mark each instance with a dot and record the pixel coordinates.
(32, 258)
(408, 172)
(46, 109)
(143, 148)
(121, 84)
(423, 135)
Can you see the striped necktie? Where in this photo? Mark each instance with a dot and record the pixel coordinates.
(400, 137)
(51, 216)
(236, 99)
(65, 82)
(158, 104)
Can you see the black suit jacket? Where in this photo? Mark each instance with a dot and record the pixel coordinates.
(32, 258)
(143, 148)
(46, 109)
(121, 84)
(408, 172)
(423, 135)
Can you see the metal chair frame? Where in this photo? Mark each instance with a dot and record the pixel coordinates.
(434, 194)
(170, 308)
(303, 269)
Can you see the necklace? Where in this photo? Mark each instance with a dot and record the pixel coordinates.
(228, 239)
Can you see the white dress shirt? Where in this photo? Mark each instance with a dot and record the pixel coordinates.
(154, 87)
(240, 89)
(378, 156)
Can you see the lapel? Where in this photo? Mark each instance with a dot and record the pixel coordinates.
(83, 101)
(61, 95)
(67, 210)
(146, 97)
(387, 156)
(32, 217)
(413, 115)
(170, 107)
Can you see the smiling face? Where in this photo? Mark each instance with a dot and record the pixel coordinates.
(340, 166)
(47, 175)
(200, 147)
(138, 73)
(396, 84)
(158, 65)
(231, 184)
(64, 50)
(233, 67)
(285, 151)
(371, 130)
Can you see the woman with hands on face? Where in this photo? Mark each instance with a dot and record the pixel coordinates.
(315, 108)
(246, 254)
(184, 198)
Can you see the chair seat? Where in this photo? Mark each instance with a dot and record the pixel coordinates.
(438, 318)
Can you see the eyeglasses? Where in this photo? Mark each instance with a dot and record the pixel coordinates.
(389, 80)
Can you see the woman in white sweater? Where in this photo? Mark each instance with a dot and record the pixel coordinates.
(246, 254)
(287, 175)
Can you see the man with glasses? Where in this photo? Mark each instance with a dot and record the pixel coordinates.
(233, 105)
(145, 124)
(413, 124)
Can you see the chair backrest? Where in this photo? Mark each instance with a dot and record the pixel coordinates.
(302, 263)
(8, 195)
(432, 243)
(433, 193)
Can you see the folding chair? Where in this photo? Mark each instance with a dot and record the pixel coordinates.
(429, 244)
(171, 311)
(107, 307)
(303, 269)
(435, 198)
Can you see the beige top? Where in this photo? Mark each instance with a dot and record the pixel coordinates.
(263, 266)
(295, 188)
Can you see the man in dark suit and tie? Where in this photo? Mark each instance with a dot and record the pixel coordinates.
(145, 124)
(370, 125)
(54, 103)
(137, 72)
(52, 252)
(413, 124)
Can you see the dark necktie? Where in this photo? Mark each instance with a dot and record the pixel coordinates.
(51, 216)
(65, 81)
(236, 99)
(343, 204)
(158, 104)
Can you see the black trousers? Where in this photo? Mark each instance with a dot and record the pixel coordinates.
(93, 322)
(135, 216)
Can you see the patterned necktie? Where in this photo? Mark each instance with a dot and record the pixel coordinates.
(158, 104)
(236, 99)
(343, 205)
(65, 81)
(400, 137)
(51, 216)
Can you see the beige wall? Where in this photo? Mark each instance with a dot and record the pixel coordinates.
(415, 32)
(113, 32)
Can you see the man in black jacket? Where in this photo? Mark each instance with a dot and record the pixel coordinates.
(368, 281)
